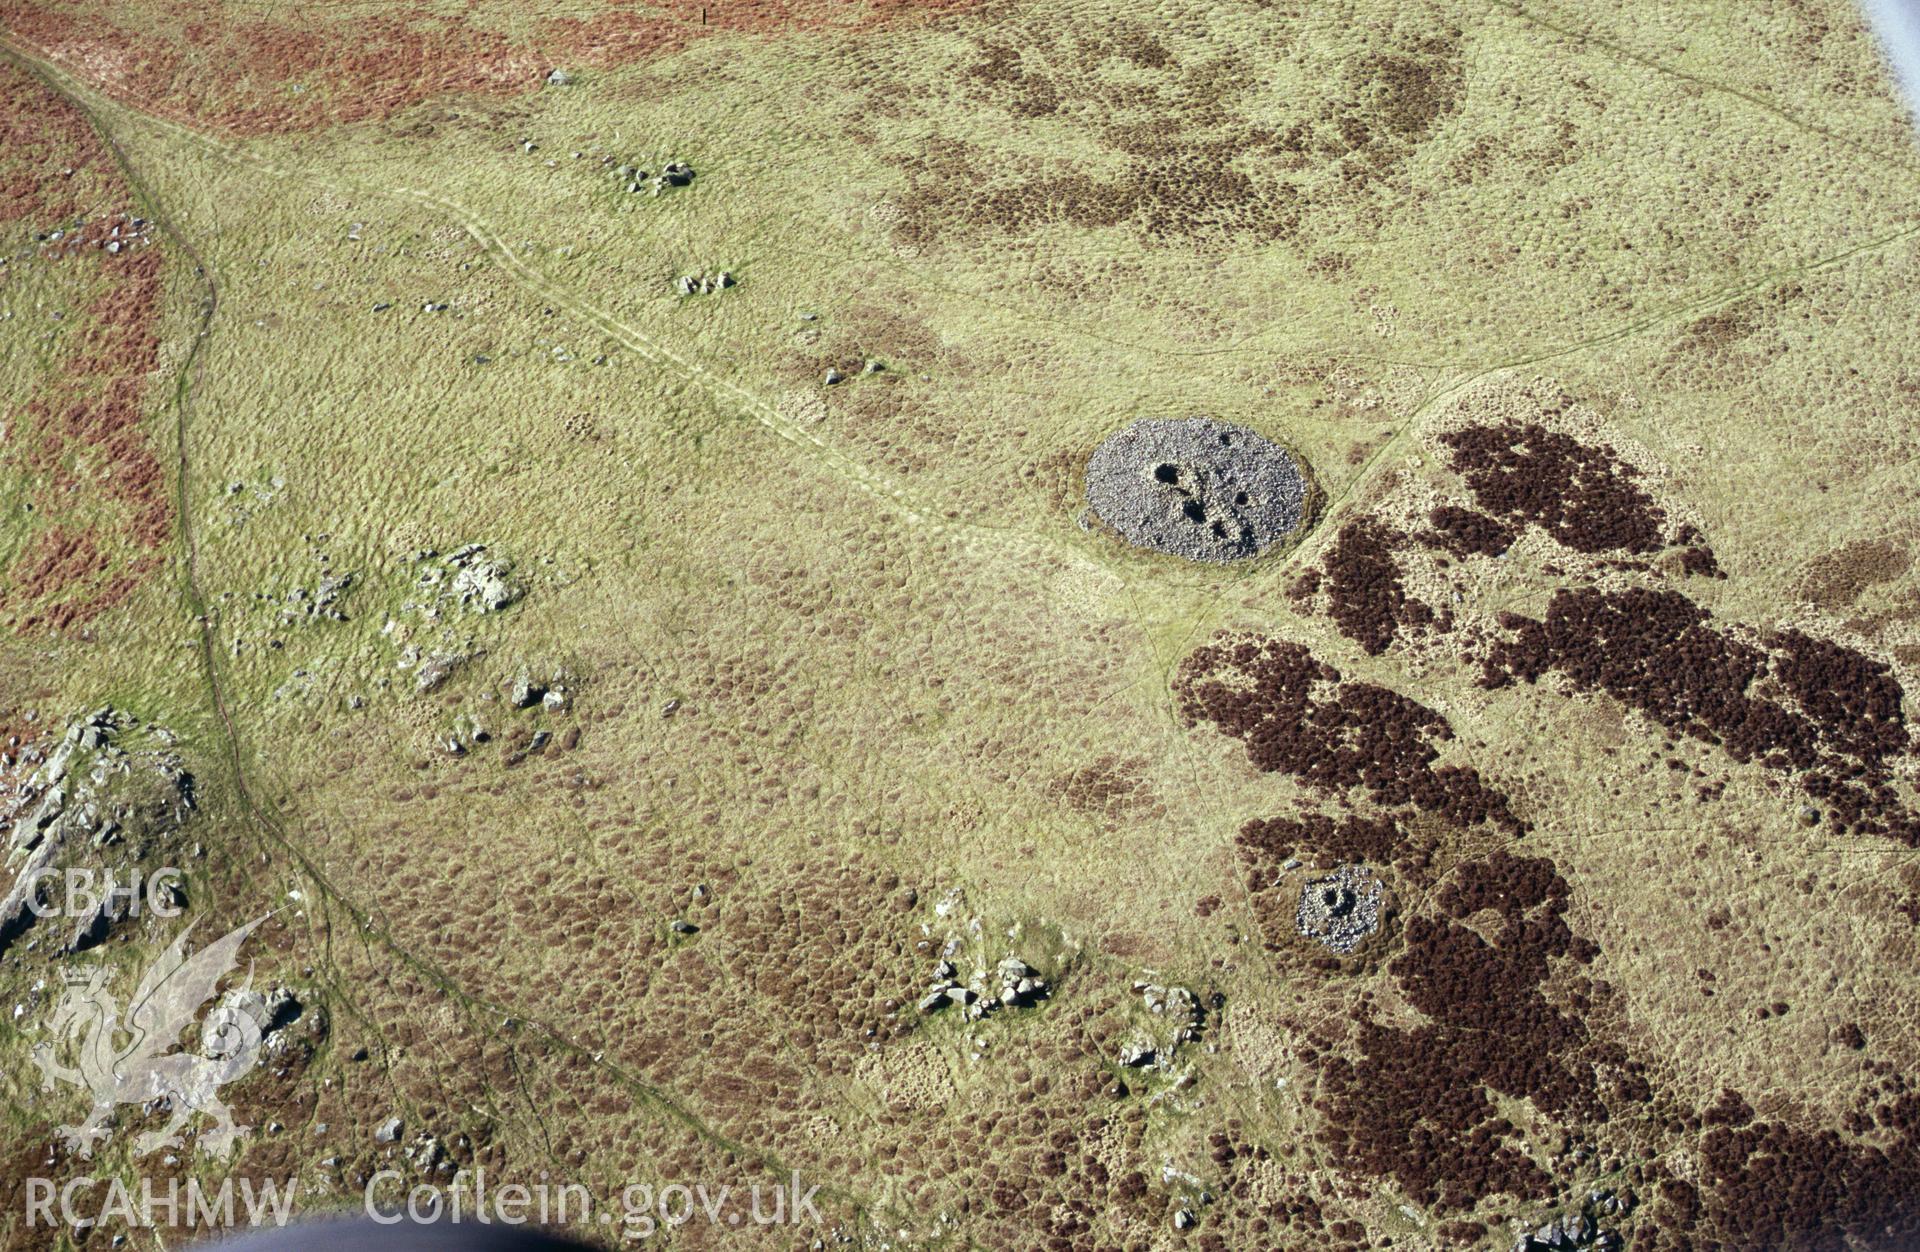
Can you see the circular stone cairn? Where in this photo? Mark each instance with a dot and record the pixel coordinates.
(1196, 488)
(1341, 909)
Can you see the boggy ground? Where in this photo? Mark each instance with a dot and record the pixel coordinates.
(629, 845)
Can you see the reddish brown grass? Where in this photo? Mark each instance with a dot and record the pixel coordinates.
(239, 74)
(82, 440)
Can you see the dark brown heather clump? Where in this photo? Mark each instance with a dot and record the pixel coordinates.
(1417, 1105)
(1297, 717)
(1464, 532)
(1366, 598)
(1583, 495)
(1373, 840)
(1767, 1185)
(1836, 728)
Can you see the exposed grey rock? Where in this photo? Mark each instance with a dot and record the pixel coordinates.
(1574, 1232)
(482, 582)
(389, 1131)
(1137, 1054)
(108, 779)
(1175, 1003)
(93, 928)
(1020, 983)
(833, 377)
(435, 670)
(524, 693)
(1196, 488)
(283, 1009)
(558, 78)
(1340, 909)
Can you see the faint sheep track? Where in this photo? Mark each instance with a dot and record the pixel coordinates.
(920, 512)
(1907, 160)
(360, 919)
(915, 508)
(862, 476)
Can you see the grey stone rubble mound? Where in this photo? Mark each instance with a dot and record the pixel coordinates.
(1180, 1010)
(320, 602)
(1176, 1004)
(1196, 488)
(435, 670)
(1340, 909)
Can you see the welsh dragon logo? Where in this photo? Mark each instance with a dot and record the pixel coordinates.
(133, 1061)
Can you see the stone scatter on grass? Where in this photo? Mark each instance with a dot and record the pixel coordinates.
(1197, 488)
(480, 581)
(703, 284)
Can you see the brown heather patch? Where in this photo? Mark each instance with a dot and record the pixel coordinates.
(1297, 717)
(1583, 495)
(1227, 171)
(85, 423)
(1765, 1184)
(1839, 578)
(54, 559)
(1109, 788)
(32, 1152)
(371, 66)
(40, 136)
(1464, 533)
(1415, 1105)
(1826, 714)
(1365, 594)
(367, 68)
